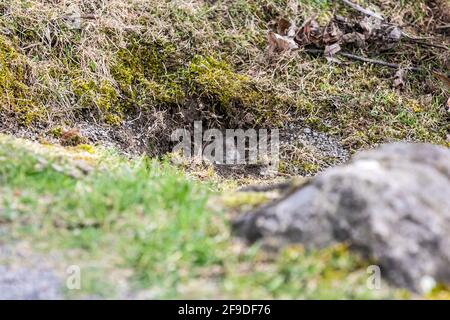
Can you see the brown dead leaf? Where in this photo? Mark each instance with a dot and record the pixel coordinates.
(345, 25)
(356, 38)
(338, 32)
(399, 79)
(292, 30)
(370, 25)
(308, 33)
(283, 26)
(280, 43)
(331, 51)
(286, 28)
(332, 33)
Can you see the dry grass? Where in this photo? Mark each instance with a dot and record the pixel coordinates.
(159, 65)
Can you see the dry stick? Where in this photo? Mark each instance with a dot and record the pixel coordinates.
(362, 10)
(419, 40)
(368, 60)
(430, 44)
(410, 36)
(379, 62)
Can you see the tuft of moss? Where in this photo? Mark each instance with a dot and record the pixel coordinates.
(236, 96)
(85, 147)
(99, 95)
(56, 132)
(16, 97)
(146, 74)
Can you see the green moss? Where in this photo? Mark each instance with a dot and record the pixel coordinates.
(142, 79)
(99, 95)
(235, 95)
(310, 167)
(86, 147)
(305, 167)
(216, 79)
(16, 97)
(439, 292)
(146, 74)
(158, 75)
(113, 119)
(244, 200)
(56, 132)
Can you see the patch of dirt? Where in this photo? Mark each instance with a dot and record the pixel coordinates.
(308, 151)
(25, 275)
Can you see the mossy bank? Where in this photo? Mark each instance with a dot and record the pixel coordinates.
(164, 65)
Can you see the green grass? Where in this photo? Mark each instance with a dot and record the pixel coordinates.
(145, 223)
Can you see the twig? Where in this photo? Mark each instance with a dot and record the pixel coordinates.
(30, 46)
(410, 37)
(375, 61)
(363, 10)
(430, 44)
(85, 16)
(368, 60)
(420, 40)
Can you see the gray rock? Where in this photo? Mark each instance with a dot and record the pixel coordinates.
(391, 204)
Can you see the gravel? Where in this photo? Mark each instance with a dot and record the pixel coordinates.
(25, 275)
(18, 283)
(327, 145)
(314, 146)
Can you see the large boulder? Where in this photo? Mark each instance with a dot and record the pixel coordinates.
(391, 204)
